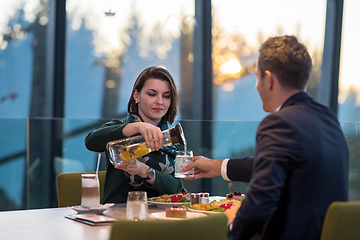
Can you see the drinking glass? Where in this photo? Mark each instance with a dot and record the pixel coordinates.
(90, 190)
(183, 158)
(137, 206)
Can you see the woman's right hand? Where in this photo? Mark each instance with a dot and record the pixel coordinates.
(152, 134)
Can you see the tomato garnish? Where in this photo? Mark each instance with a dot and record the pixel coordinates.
(226, 205)
(176, 197)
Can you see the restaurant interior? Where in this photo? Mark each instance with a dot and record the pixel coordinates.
(68, 66)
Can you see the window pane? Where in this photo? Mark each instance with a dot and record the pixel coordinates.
(106, 53)
(23, 27)
(349, 84)
(239, 28)
(23, 81)
(13, 164)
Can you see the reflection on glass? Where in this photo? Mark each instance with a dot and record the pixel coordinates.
(349, 84)
(13, 164)
(239, 28)
(232, 139)
(352, 134)
(23, 26)
(105, 54)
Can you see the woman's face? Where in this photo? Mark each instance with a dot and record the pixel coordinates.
(154, 100)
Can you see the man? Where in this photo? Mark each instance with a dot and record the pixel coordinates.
(301, 158)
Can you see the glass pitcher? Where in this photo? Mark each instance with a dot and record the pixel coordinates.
(134, 147)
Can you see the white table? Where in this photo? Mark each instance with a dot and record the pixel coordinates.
(51, 224)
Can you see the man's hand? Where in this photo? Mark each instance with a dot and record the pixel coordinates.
(231, 213)
(207, 168)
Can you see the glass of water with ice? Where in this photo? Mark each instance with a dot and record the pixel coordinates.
(137, 206)
(183, 158)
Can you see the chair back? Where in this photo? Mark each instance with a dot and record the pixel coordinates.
(342, 221)
(69, 188)
(210, 227)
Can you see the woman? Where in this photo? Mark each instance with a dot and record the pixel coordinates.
(152, 106)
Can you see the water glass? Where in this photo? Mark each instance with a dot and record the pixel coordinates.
(137, 206)
(90, 190)
(183, 158)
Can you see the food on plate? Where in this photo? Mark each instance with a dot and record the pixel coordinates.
(239, 196)
(201, 206)
(172, 198)
(236, 195)
(177, 198)
(219, 203)
(226, 206)
(176, 212)
(229, 196)
(204, 207)
(218, 206)
(162, 198)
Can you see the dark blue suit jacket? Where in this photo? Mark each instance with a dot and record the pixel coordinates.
(300, 166)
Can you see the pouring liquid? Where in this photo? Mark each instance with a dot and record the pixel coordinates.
(137, 150)
(135, 147)
(133, 151)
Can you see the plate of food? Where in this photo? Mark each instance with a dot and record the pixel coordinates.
(170, 200)
(175, 214)
(92, 210)
(200, 208)
(217, 204)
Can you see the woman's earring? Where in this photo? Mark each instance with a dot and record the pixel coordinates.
(136, 102)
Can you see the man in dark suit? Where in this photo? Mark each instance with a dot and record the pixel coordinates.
(301, 158)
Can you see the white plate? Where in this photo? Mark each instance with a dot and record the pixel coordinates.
(213, 198)
(92, 210)
(202, 211)
(162, 215)
(164, 205)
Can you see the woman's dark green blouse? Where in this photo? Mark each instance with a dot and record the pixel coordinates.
(118, 182)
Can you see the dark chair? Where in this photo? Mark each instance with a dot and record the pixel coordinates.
(69, 188)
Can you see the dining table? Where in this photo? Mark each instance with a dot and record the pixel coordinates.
(51, 223)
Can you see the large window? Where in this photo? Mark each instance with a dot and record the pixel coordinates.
(24, 78)
(110, 42)
(23, 48)
(349, 84)
(239, 28)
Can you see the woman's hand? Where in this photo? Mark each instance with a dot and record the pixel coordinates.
(152, 134)
(132, 167)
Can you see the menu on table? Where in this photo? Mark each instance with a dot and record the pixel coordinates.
(92, 219)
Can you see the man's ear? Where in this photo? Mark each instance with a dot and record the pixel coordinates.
(269, 80)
